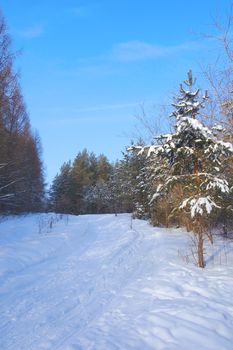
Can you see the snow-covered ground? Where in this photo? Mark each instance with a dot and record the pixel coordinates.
(93, 282)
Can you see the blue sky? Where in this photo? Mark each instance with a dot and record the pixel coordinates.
(86, 66)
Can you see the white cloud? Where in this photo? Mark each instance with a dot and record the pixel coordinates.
(138, 50)
(32, 32)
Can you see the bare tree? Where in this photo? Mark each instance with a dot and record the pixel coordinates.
(219, 74)
(21, 171)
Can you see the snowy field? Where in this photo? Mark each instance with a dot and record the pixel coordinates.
(93, 282)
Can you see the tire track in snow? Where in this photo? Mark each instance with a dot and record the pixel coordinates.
(75, 313)
(103, 287)
(23, 295)
(95, 300)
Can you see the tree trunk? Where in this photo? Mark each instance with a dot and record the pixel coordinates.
(200, 249)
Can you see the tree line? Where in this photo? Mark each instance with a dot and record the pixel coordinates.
(21, 170)
(90, 185)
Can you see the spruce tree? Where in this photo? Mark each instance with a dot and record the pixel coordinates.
(61, 191)
(191, 173)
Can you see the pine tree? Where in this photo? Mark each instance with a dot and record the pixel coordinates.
(191, 175)
(98, 198)
(136, 168)
(83, 187)
(61, 190)
(103, 169)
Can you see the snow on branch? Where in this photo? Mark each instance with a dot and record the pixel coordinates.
(220, 184)
(199, 205)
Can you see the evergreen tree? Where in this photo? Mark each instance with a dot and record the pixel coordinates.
(133, 182)
(61, 190)
(191, 171)
(82, 187)
(82, 177)
(103, 169)
(98, 198)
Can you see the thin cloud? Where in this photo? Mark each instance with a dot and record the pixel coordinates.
(79, 11)
(82, 117)
(84, 110)
(112, 107)
(107, 107)
(95, 69)
(32, 32)
(138, 50)
(89, 119)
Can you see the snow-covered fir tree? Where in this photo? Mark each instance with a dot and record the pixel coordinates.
(189, 168)
(134, 173)
(97, 198)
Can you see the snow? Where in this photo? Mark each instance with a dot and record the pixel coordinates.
(226, 145)
(218, 183)
(187, 122)
(100, 282)
(198, 205)
(151, 150)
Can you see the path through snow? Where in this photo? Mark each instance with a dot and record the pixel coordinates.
(92, 282)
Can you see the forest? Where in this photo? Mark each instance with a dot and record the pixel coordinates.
(183, 178)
